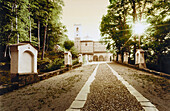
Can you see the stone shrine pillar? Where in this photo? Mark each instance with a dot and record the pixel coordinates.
(140, 60)
(23, 63)
(80, 58)
(68, 58)
(90, 58)
(114, 57)
(119, 58)
(126, 55)
(86, 58)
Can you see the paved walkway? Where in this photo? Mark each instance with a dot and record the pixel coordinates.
(92, 87)
(108, 91)
(53, 94)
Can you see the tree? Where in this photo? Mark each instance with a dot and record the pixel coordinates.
(52, 18)
(117, 24)
(114, 25)
(68, 44)
(32, 20)
(15, 21)
(158, 39)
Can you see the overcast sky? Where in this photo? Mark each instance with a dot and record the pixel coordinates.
(88, 13)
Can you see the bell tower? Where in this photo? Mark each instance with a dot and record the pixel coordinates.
(77, 30)
(77, 35)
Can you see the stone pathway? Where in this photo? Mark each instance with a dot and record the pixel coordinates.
(81, 98)
(146, 104)
(109, 92)
(155, 88)
(53, 94)
(94, 87)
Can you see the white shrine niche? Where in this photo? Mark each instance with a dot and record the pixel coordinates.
(67, 58)
(86, 58)
(126, 56)
(80, 58)
(23, 59)
(140, 59)
(119, 58)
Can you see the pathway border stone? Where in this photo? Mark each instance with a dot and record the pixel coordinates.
(146, 104)
(81, 98)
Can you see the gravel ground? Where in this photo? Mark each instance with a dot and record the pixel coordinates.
(154, 88)
(109, 94)
(53, 94)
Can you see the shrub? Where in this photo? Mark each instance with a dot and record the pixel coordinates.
(75, 61)
(49, 65)
(58, 62)
(43, 64)
(5, 77)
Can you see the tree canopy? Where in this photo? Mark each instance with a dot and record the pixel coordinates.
(37, 21)
(116, 26)
(117, 30)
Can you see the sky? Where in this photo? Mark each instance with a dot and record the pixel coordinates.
(88, 13)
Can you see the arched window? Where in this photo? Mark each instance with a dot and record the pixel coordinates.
(95, 58)
(101, 58)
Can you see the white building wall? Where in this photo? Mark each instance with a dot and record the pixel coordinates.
(87, 47)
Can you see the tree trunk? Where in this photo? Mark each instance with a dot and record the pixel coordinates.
(16, 22)
(134, 20)
(47, 43)
(43, 50)
(30, 24)
(38, 34)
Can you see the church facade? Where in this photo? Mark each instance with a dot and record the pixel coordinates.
(90, 50)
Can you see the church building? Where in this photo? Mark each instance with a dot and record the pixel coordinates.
(90, 50)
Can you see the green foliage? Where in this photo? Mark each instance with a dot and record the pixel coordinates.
(158, 39)
(56, 64)
(47, 64)
(55, 54)
(74, 52)
(15, 21)
(75, 61)
(117, 23)
(68, 44)
(114, 25)
(43, 64)
(18, 15)
(5, 77)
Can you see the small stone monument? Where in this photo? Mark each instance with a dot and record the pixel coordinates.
(140, 60)
(126, 55)
(119, 58)
(23, 63)
(90, 58)
(68, 58)
(80, 58)
(86, 58)
(114, 58)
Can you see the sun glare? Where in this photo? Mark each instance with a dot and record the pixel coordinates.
(139, 28)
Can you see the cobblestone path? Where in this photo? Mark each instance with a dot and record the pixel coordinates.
(107, 93)
(53, 94)
(154, 88)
